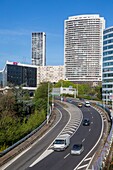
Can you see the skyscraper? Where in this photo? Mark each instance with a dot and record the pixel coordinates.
(107, 80)
(39, 49)
(83, 48)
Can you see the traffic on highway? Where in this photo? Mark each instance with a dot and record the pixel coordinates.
(70, 144)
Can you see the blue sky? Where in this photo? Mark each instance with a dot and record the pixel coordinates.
(19, 18)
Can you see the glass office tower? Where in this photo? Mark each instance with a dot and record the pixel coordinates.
(18, 74)
(83, 48)
(107, 82)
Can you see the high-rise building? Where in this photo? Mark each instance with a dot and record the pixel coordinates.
(83, 48)
(107, 80)
(39, 48)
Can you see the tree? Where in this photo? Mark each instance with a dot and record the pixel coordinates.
(41, 97)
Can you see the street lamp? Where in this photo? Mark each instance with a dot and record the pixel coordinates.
(53, 95)
(48, 114)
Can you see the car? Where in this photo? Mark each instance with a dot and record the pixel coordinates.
(77, 149)
(87, 104)
(86, 122)
(79, 104)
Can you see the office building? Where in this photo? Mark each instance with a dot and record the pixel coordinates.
(107, 80)
(18, 74)
(83, 48)
(39, 48)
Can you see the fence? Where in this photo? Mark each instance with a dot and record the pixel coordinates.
(101, 161)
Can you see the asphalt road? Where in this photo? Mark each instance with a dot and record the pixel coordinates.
(87, 135)
(41, 145)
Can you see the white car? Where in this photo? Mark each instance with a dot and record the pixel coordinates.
(87, 103)
(77, 149)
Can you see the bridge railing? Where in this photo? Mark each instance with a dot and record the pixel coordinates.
(101, 161)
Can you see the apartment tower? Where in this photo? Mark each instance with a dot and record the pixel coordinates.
(39, 48)
(83, 48)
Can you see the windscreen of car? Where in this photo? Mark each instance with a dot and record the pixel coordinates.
(86, 120)
(59, 141)
(77, 147)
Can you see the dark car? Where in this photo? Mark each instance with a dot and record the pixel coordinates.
(86, 122)
(77, 149)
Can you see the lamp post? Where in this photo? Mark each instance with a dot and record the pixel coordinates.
(61, 91)
(48, 105)
(77, 89)
(53, 96)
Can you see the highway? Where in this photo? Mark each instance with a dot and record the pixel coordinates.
(42, 156)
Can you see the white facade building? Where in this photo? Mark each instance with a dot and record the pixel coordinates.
(39, 48)
(50, 73)
(83, 48)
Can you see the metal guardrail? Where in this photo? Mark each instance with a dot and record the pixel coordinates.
(22, 140)
(100, 162)
(29, 135)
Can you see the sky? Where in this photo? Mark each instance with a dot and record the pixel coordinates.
(19, 18)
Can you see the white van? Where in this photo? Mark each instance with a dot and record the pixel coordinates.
(87, 103)
(61, 142)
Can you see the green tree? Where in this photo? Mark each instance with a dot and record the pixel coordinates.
(41, 97)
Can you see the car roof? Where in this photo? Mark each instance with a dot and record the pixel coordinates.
(77, 145)
(86, 119)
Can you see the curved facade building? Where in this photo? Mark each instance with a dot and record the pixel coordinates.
(107, 80)
(83, 44)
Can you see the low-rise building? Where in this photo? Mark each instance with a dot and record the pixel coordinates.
(50, 74)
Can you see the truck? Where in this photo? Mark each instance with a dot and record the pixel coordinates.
(61, 142)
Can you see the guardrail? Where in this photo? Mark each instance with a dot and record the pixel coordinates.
(101, 161)
(22, 140)
(29, 135)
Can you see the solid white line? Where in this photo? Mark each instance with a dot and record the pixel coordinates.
(36, 161)
(46, 153)
(94, 145)
(66, 155)
(80, 167)
(14, 159)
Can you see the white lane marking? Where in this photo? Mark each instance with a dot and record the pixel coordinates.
(92, 116)
(90, 162)
(80, 167)
(46, 153)
(66, 155)
(91, 122)
(36, 161)
(18, 156)
(89, 130)
(69, 128)
(83, 140)
(14, 159)
(87, 159)
(91, 113)
(93, 146)
(67, 131)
